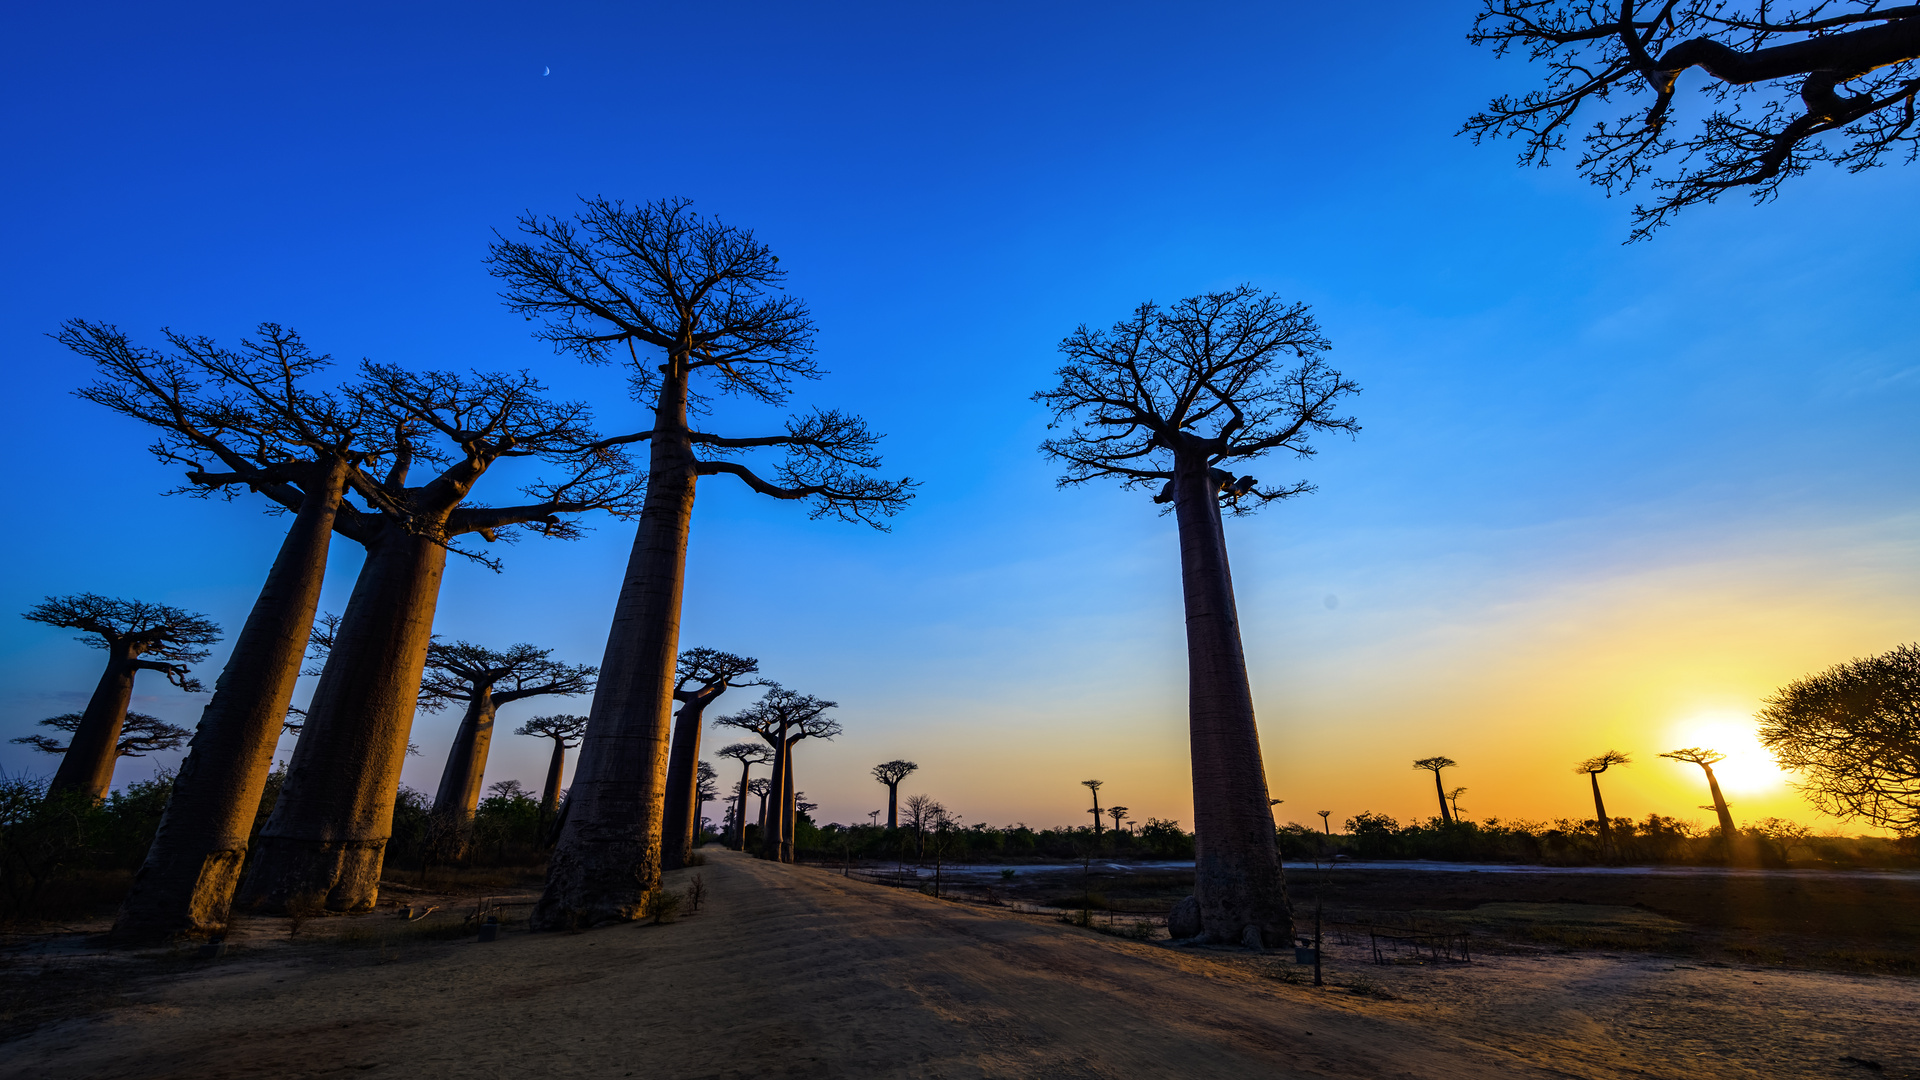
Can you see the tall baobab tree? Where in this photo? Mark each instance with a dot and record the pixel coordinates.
(705, 301)
(1706, 759)
(1853, 732)
(891, 773)
(702, 676)
(762, 787)
(1783, 85)
(137, 636)
(1118, 814)
(565, 731)
(1593, 767)
(706, 788)
(748, 754)
(1094, 787)
(328, 832)
(140, 735)
(485, 679)
(1163, 400)
(1453, 800)
(243, 418)
(809, 727)
(782, 718)
(1434, 765)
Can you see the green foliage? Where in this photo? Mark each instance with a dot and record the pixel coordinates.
(69, 849)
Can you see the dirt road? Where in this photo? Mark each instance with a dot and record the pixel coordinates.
(795, 972)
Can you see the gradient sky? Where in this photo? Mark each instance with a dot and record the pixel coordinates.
(1606, 496)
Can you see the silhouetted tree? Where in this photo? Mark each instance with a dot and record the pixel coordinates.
(485, 679)
(748, 755)
(1094, 786)
(1434, 765)
(706, 788)
(1118, 814)
(328, 833)
(1163, 400)
(137, 636)
(761, 786)
(565, 731)
(705, 300)
(245, 418)
(783, 718)
(703, 675)
(1453, 800)
(140, 735)
(923, 813)
(1705, 759)
(1853, 732)
(1593, 767)
(1837, 67)
(891, 773)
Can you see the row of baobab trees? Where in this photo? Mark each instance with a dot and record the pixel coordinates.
(399, 462)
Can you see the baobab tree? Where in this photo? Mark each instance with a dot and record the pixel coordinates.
(891, 773)
(565, 731)
(1453, 800)
(1118, 814)
(328, 832)
(243, 418)
(782, 718)
(136, 636)
(1163, 400)
(140, 735)
(1094, 786)
(748, 754)
(706, 788)
(702, 676)
(485, 679)
(760, 786)
(705, 300)
(1853, 732)
(1434, 765)
(1832, 81)
(1593, 767)
(810, 727)
(1706, 759)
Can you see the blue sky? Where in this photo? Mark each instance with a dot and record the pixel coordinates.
(1605, 494)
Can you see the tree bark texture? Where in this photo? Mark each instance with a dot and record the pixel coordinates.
(550, 793)
(608, 856)
(1446, 815)
(459, 793)
(1238, 881)
(328, 833)
(87, 766)
(680, 816)
(186, 885)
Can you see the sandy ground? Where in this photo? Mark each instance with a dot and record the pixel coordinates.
(796, 972)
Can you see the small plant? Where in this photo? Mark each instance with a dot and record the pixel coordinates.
(301, 908)
(696, 890)
(697, 859)
(1007, 874)
(662, 906)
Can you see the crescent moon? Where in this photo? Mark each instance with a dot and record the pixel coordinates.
(549, 71)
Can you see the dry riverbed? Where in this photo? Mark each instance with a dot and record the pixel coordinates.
(797, 972)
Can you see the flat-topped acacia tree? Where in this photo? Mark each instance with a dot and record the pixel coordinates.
(137, 636)
(781, 718)
(748, 754)
(485, 679)
(1162, 401)
(891, 773)
(564, 729)
(703, 675)
(248, 418)
(696, 308)
(140, 735)
(1592, 768)
(328, 832)
(1789, 86)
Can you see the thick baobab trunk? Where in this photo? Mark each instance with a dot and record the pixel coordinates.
(1238, 883)
(680, 816)
(87, 766)
(773, 825)
(1600, 812)
(328, 834)
(550, 792)
(608, 856)
(789, 811)
(186, 885)
(1446, 815)
(1728, 834)
(893, 806)
(740, 809)
(459, 792)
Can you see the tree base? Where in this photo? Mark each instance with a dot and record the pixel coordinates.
(343, 875)
(608, 886)
(182, 906)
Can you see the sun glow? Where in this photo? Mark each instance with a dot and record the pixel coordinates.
(1747, 767)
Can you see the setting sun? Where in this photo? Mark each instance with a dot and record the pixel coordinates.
(1747, 766)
